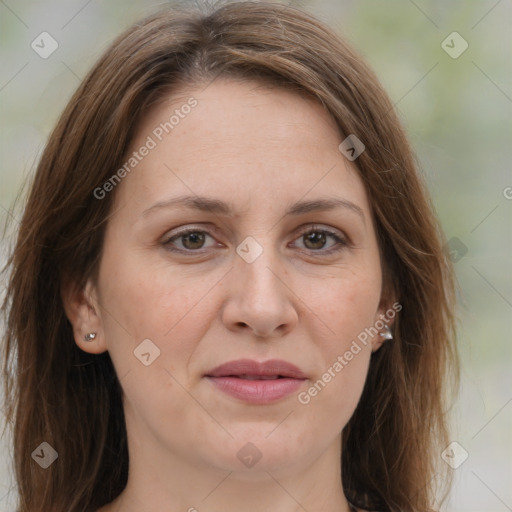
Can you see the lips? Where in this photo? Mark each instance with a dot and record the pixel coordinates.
(255, 382)
(247, 367)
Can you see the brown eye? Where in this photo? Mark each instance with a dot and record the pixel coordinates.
(315, 240)
(191, 240)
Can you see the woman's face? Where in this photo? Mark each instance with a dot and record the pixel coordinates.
(246, 283)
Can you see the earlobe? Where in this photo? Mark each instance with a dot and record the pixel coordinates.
(83, 312)
(384, 321)
(385, 335)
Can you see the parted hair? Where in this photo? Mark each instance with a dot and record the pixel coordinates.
(57, 393)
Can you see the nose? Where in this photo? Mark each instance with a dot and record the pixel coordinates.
(259, 298)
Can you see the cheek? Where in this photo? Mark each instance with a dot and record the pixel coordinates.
(147, 300)
(163, 304)
(146, 304)
(348, 305)
(336, 389)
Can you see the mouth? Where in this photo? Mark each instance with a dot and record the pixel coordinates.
(257, 383)
(257, 377)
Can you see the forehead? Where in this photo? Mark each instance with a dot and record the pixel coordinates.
(244, 142)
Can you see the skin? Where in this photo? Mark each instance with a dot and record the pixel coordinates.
(260, 149)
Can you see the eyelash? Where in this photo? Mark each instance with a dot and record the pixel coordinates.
(341, 243)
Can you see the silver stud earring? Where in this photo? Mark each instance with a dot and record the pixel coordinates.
(90, 336)
(387, 335)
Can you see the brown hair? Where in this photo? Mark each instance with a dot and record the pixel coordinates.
(57, 393)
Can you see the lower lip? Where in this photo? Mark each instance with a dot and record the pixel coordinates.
(257, 391)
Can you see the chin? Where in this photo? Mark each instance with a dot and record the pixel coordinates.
(255, 450)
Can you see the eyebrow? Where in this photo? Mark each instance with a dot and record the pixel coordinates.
(217, 206)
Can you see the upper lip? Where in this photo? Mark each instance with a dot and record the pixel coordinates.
(272, 367)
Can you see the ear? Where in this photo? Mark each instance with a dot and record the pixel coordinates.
(82, 309)
(385, 316)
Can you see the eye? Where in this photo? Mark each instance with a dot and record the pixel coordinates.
(315, 239)
(191, 240)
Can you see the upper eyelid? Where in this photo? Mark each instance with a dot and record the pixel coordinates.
(209, 230)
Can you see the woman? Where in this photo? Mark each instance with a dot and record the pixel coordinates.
(229, 289)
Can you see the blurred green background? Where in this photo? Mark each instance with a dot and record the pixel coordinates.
(458, 114)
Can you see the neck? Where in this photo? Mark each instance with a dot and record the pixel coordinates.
(161, 481)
